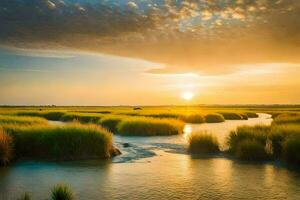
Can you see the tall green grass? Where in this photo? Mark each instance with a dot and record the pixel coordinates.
(231, 116)
(6, 147)
(25, 196)
(70, 142)
(262, 142)
(188, 118)
(291, 149)
(7, 119)
(111, 122)
(203, 142)
(50, 115)
(192, 118)
(146, 126)
(279, 133)
(61, 192)
(244, 116)
(287, 119)
(158, 115)
(214, 118)
(251, 114)
(251, 149)
(256, 133)
(82, 117)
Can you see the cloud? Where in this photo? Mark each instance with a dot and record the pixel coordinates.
(132, 5)
(207, 36)
(51, 5)
(64, 54)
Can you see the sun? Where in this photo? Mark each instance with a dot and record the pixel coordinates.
(187, 95)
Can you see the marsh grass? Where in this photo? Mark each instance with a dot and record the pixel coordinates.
(188, 118)
(231, 116)
(82, 117)
(244, 116)
(251, 150)
(25, 196)
(202, 142)
(6, 147)
(146, 126)
(50, 115)
(214, 118)
(287, 119)
(291, 149)
(8, 119)
(256, 133)
(192, 118)
(159, 115)
(262, 142)
(70, 142)
(251, 114)
(61, 192)
(279, 133)
(111, 122)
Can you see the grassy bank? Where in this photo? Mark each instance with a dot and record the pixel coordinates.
(251, 114)
(287, 119)
(256, 133)
(232, 116)
(50, 115)
(214, 118)
(82, 117)
(251, 150)
(145, 126)
(193, 118)
(111, 122)
(202, 142)
(266, 142)
(6, 147)
(8, 119)
(71, 142)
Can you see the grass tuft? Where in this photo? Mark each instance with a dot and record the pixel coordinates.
(51, 115)
(7, 119)
(111, 122)
(193, 118)
(287, 119)
(251, 150)
(257, 133)
(214, 118)
(231, 116)
(25, 196)
(146, 126)
(291, 149)
(71, 142)
(82, 117)
(203, 143)
(251, 114)
(6, 147)
(61, 192)
(279, 133)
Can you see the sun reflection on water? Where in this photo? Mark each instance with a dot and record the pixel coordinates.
(187, 131)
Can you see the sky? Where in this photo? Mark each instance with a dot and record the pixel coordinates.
(149, 52)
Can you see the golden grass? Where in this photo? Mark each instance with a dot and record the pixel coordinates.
(146, 126)
(203, 142)
(70, 142)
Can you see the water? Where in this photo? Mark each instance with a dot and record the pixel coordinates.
(157, 168)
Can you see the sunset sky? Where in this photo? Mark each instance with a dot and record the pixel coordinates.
(149, 52)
